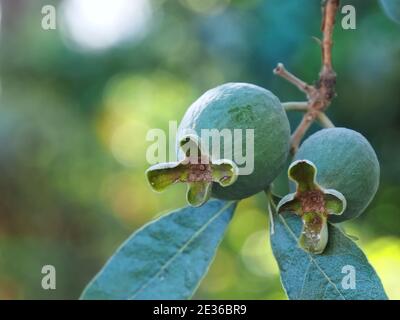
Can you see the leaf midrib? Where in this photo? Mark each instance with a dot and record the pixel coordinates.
(312, 259)
(185, 245)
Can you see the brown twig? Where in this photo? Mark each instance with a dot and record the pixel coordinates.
(319, 96)
(281, 71)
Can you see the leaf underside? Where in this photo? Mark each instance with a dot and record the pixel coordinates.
(320, 277)
(167, 258)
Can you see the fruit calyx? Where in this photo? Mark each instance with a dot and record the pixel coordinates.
(196, 169)
(313, 204)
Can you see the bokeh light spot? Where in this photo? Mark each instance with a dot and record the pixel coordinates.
(257, 255)
(100, 24)
(384, 255)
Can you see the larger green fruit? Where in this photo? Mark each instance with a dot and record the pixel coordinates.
(243, 106)
(345, 162)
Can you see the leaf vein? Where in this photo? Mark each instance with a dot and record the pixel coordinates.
(312, 259)
(182, 249)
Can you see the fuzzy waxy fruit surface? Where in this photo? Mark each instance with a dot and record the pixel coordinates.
(345, 162)
(392, 9)
(234, 126)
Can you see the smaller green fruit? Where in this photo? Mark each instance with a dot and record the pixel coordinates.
(346, 162)
(392, 9)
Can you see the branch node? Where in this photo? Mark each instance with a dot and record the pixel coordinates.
(320, 95)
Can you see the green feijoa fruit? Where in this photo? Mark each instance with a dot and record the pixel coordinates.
(392, 9)
(232, 143)
(346, 162)
(230, 110)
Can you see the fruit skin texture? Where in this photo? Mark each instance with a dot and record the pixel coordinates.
(244, 106)
(392, 9)
(345, 162)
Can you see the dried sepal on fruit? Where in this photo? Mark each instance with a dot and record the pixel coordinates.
(313, 204)
(196, 169)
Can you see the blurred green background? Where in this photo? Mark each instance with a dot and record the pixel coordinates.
(76, 104)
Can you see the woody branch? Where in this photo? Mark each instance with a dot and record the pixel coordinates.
(320, 95)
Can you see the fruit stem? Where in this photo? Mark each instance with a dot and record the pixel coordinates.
(324, 120)
(321, 94)
(302, 106)
(295, 106)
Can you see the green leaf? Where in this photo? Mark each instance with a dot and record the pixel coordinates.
(324, 276)
(167, 258)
